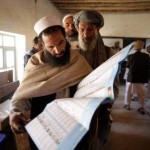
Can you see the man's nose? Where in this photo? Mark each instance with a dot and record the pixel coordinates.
(71, 26)
(57, 50)
(85, 33)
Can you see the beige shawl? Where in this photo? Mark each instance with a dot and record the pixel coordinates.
(43, 79)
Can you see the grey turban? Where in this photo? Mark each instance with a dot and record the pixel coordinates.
(89, 16)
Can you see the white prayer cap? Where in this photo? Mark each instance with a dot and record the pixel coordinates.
(46, 22)
(67, 16)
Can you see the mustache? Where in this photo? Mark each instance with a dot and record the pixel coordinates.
(87, 39)
(62, 52)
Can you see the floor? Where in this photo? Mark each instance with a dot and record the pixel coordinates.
(130, 129)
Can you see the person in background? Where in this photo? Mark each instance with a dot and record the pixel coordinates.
(52, 73)
(116, 47)
(37, 46)
(71, 32)
(138, 64)
(148, 84)
(88, 23)
(68, 24)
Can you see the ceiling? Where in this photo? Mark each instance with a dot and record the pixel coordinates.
(124, 6)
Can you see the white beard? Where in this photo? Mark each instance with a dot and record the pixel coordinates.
(89, 45)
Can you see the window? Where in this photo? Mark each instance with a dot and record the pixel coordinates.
(7, 52)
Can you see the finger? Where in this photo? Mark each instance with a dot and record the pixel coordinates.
(24, 119)
(18, 130)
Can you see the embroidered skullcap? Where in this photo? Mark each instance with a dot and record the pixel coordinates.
(138, 45)
(66, 16)
(89, 16)
(46, 22)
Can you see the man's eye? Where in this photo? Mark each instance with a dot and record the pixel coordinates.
(81, 30)
(61, 43)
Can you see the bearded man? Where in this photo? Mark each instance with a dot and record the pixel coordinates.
(68, 24)
(88, 23)
(49, 74)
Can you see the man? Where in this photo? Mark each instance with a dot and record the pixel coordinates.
(68, 24)
(37, 46)
(49, 74)
(71, 32)
(138, 64)
(116, 47)
(88, 23)
(148, 84)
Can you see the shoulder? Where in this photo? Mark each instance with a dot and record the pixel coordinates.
(109, 51)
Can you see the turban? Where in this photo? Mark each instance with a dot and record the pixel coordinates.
(46, 22)
(89, 16)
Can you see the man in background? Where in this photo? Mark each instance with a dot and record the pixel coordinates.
(116, 47)
(138, 64)
(71, 32)
(68, 24)
(147, 51)
(37, 46)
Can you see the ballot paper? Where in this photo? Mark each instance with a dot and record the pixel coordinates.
(64, 122)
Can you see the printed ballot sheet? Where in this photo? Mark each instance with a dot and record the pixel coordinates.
(64, 122)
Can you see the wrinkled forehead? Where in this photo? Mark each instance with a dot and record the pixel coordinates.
(86, 25)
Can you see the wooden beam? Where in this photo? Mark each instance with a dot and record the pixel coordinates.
(99, 1)
(121, 8)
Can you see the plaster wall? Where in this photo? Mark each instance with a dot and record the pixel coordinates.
(19, 16)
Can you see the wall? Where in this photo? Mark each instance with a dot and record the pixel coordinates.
(19, 16)
(126, 25)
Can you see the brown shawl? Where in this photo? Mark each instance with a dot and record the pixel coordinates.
(43, 79)
(97, 56)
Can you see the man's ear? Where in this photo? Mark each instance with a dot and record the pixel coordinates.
(98, 29)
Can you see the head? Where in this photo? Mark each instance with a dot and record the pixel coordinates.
(37, 44)
(138, 45)
(117, 44)
(68, 24)
(52, 35)
(88, 24)
(148, 48)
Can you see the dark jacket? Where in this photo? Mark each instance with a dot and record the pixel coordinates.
(139, 65)
(28, 55)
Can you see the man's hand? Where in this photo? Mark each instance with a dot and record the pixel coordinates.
(17, 122)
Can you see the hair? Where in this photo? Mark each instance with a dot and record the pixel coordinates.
(138, 45)
(52, 29)
(36, 40)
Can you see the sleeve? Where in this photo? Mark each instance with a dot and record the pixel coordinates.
(26, 58)
(21, 105)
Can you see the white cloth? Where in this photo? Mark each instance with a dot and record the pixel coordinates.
(137, 88)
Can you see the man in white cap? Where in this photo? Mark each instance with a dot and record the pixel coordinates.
(37, 46)
(68, 24)
(49, 74)
(71, 32)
